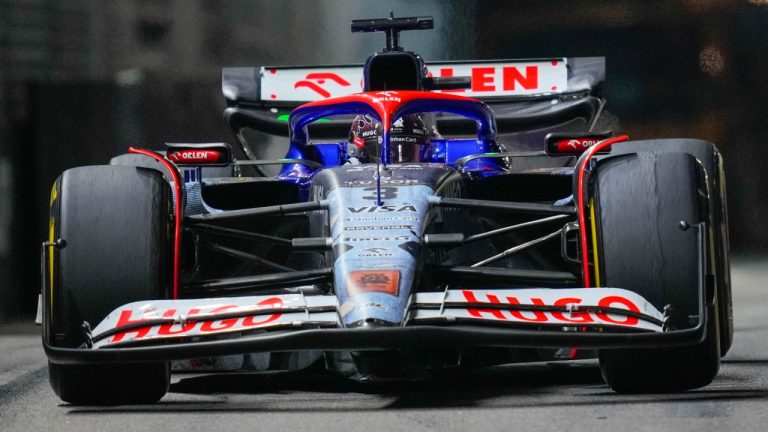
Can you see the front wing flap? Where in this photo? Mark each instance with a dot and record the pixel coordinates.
(603, 308)
(181, 329)
(156, 320)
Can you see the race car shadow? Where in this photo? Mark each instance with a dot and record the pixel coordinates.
(511, 386)
(470, 384)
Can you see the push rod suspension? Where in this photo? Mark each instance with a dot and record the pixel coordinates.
(516, 249)
(275, 210)
(511, 206)
(231, 232)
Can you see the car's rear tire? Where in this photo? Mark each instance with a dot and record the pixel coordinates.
(649, 205)
(115, 223)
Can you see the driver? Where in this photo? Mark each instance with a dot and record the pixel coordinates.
(407, 137)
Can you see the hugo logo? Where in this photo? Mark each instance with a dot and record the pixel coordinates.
(579, 317)
(202, 326)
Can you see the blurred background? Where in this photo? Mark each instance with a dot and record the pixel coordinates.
(81, 80)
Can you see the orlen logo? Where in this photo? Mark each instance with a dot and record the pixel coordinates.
(194, 156)
(561, 143)
(503, 78)
(315, 80)
(577, 317)
(204, 326)
(576, 144)
(386, 96)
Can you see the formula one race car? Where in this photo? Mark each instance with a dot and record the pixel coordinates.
(447, 216)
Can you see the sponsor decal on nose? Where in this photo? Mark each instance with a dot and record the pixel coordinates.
(363, 281)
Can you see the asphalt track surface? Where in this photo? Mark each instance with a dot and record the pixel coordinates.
(531, 397)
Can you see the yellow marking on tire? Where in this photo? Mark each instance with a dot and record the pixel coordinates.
(51, 251)
(54, 195)
(594, 241)
(51, 239)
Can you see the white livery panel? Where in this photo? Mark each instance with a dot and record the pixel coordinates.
(499, 78)
(576, 307)
(539, 307)
(203, 317)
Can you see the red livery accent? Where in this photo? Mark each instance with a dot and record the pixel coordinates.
(166, 329)
(225, 324)
(512, 76)
(195, 157)
(314, 87)
(275, 302)
(125, 319)
(574, 317)
(609, 301)
(470, 296)
(313, 81)
(575, 145)
(486, 79)
(209, 326)
(177, 222)
(582, 204)
(322, 76)
(564, 143)
(386, 103)
(482, 79)
(538, 316)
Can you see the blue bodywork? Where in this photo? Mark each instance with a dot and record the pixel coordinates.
(377, 248)
(376, 244)
(441, 150)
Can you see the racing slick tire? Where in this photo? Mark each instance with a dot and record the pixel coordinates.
(649, 205)
(706, 153)
(115, 223)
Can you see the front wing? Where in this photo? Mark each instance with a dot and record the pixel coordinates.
(180, 329)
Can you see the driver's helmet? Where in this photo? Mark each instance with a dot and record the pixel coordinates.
(407, 136)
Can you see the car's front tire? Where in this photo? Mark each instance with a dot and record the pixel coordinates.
(115, 225)
(649, 206)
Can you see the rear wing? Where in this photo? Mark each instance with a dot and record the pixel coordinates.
(541, 95)
(495, 80)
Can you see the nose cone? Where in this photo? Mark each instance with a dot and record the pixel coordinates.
(376, 245)
(372, 323)
(372, 309)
